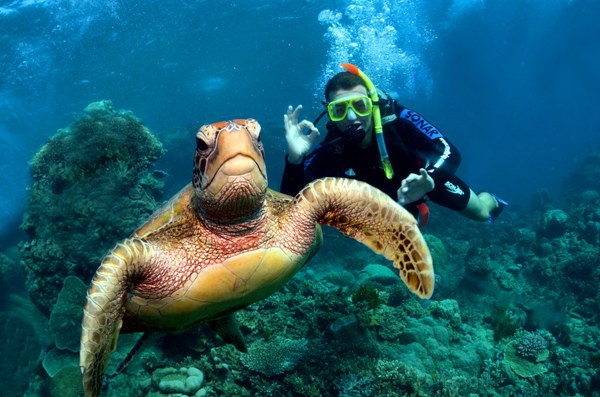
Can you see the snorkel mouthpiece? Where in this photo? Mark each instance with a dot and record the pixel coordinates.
(383, 154)
(354, 133)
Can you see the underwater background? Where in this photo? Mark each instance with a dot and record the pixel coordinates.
(99, 105)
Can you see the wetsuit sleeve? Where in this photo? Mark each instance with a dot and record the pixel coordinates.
(438, 154)
(293, 179)
(321, 162)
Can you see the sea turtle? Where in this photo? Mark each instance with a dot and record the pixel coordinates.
(226, 241)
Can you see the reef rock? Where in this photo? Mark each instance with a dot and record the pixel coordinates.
(92, 186)
(553, 224)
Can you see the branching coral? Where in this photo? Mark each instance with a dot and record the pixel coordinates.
(531, 346)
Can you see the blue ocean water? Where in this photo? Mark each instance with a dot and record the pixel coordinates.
(513, 84)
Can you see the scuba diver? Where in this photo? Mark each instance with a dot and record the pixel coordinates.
(372, 138)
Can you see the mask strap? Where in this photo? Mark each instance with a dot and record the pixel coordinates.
(319, 117)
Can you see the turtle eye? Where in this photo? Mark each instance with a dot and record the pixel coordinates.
(201, 145)
(253, 129)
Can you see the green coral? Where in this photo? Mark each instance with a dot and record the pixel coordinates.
(67, 314)
(437, 249)
(368, 295)
(8, 269)
(391, 323)
(92, 186)
(527, 353)
(57, 360)
(67, 383)
(23, 337)
(396, 378)
(447, 310)
(101, 138)
(522, 366)
(504, 321)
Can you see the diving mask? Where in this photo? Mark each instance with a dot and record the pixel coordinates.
(362, 105)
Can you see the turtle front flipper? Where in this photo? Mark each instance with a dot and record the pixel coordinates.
(373, 218)
(104, 310)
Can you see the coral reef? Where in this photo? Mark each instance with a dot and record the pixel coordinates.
(584, 177)
(438, 251)
(55, 360)
(274, 356)
(448, 310)
(532, 346)
(515, 313)
(553, 224)
(92, 186)
(67, 314)
(352, 385)
(522, 366)
(8, 269)
(20, 350)
(65, 329)
(67, 383)
(178, 381)
(23, 331)
(377, 274)
(368, 295)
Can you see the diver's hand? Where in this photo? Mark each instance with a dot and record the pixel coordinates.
(415, 186)
(298, 142)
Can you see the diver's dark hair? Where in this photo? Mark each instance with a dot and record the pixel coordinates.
(342, 81)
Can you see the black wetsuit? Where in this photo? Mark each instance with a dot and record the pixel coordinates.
(412, 143)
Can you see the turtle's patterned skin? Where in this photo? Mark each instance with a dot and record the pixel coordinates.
(226, 241)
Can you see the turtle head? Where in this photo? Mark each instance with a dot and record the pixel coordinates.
(230, 177)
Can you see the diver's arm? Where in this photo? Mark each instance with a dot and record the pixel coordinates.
(443, 164)
(293, 179)
(439, 154)
(298, 143)
(414, 187)
(448, 157)
(319, 163)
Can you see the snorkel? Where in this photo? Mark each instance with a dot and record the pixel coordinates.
(385, 159)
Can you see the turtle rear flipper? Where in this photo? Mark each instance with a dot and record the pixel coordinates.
(229, 330)
(373, 218)
(103, 312)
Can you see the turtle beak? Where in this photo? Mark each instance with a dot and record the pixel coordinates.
(238, 154)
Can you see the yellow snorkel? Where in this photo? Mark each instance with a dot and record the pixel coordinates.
(385, 159)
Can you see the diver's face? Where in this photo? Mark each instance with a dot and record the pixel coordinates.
(352, 118)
